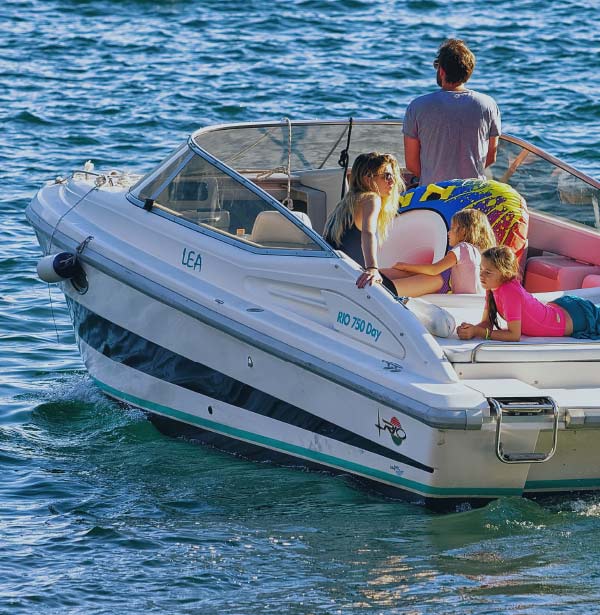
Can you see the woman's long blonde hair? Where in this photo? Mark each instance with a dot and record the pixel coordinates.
(474, 228)
(365, 167)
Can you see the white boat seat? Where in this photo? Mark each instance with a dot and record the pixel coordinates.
(528, 350)
(272, 229)
(303, 217)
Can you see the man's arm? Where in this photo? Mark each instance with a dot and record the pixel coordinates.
(492, 151)
(412, 155)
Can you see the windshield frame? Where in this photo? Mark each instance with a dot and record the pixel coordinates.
(326, 250)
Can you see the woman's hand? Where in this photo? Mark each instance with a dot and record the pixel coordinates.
(368, 277)
(401, 266)
(467, 331)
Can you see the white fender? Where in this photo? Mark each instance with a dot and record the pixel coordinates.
(57, 267)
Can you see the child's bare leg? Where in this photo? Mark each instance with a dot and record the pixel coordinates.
(396, 274)
(418, 285)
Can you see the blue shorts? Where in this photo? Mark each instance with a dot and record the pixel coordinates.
(584, 314)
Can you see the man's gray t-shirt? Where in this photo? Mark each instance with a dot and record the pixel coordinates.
(453, 129)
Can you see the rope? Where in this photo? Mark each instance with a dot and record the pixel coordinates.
(52, 312)
(101, 180)
(288, 201)
(344, 157)
(83, 245)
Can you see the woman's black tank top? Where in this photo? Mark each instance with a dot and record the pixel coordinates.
(351, 245)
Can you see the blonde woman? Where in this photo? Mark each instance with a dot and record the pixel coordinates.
(362, 218)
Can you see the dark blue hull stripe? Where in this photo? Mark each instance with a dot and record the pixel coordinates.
(312, 455)
(125, 347)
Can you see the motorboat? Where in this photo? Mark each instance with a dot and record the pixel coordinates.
(204, 294)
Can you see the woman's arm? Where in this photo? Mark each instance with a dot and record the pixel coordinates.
(371, 205)
(429, 269)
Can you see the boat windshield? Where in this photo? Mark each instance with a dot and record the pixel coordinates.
(192, 190)
(265, 147)
(196, 188)
(547, 184)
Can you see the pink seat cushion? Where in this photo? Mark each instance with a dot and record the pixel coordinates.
(590, 281)
(551, 272)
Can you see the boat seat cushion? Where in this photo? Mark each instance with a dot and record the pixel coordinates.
(273, 229)
(552, 272)
(415, 236)
(591, 281)
(529, 349)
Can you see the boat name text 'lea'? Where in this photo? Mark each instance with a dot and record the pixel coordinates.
(191, 259)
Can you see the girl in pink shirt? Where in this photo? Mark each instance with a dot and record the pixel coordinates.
(470, 233)
(523, 313)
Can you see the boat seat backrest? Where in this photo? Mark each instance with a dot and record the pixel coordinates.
(416, 236)
(554, 272)
(272, 228)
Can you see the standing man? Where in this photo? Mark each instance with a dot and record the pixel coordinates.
(451, 133)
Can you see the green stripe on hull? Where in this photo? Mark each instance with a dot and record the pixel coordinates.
(299, 451)
(571, 484)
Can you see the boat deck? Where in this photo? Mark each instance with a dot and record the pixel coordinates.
(468, 308)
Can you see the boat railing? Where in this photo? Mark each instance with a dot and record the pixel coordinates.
(529, 147)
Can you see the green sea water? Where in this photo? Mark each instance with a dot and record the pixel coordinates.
(99, 513)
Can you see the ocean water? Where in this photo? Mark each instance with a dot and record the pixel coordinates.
(99, 513)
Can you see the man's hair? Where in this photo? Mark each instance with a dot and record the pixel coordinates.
(456, 59)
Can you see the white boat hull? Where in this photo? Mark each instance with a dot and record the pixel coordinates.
(297, 413)
(263, 340)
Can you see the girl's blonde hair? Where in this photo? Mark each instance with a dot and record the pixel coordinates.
(365, 167)
(474, 227)
(505, 261)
